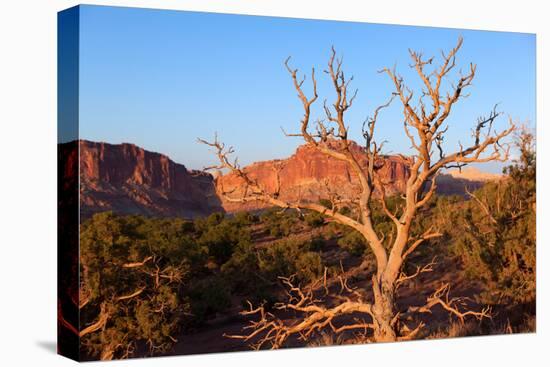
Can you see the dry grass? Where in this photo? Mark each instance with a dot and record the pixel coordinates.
(454, 330)
(326, 339)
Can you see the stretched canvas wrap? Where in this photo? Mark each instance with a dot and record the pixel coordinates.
(233, 182)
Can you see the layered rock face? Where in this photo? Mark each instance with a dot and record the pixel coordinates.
(127, 179)
(310, 175)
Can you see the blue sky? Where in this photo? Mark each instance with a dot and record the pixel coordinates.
(160, 79)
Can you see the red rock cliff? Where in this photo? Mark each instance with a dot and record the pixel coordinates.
(130, 180)
(303, 176)
(127, 179)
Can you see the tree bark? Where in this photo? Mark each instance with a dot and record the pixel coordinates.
(384, 310)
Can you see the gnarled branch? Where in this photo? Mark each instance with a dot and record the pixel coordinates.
(442, 298)
(315, 316)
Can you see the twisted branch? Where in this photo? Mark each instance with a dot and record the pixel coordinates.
(452, 305)
(269, 329)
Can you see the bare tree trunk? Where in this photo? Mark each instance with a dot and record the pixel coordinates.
(384, 311)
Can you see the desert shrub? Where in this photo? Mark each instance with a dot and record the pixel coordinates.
(354, 243)
(280, 224)
(326, 203)
(500, 251)
(316, 243)
(221, 236)
(208, 297)
(242, 269)
(121, 290)
(334, 230)
(314, 219)
(244, 219)
(290, 257)
(187, 227)
(269, 215)
(275, 230)
(394, 201)
(253, 272)
(281, 228)
(245, 277)
(288, 224)
(345, 210)
(498, 239)
(309, 266)
(278, 259)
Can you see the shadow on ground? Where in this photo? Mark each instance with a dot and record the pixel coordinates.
(48, 345)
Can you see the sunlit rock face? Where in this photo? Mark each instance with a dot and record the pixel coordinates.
(127, 179)
(310, 175)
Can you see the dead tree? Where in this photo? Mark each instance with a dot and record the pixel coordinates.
(425, 126)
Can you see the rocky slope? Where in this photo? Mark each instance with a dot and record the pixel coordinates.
(127, 179)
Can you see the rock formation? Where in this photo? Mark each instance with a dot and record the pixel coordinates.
(455, 182)
(127, 179)
(310, 175)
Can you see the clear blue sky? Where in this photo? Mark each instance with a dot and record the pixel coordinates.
(160, 79)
